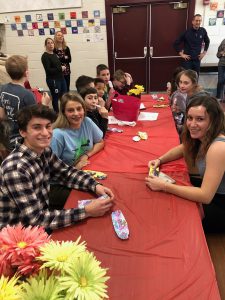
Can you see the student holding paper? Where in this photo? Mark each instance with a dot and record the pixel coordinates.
(203, 143)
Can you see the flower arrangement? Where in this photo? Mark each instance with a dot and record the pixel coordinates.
(136, 91)
(32, 267)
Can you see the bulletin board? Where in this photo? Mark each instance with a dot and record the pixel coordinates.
(214, 23)
(27, 5)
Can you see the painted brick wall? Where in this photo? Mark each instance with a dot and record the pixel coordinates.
(85, 55)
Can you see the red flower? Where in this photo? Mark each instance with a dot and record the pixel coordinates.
(19, 247)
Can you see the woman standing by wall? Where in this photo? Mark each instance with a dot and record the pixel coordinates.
(54, 73)
(221, 71)
(63, 53)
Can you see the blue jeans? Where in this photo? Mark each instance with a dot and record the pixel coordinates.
(57, 88)
(192, 65)
(221, 82)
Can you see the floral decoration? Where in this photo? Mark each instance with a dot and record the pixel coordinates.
(34, 267)
(136, 91)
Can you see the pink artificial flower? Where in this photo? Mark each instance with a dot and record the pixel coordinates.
(19, 247)
(5, 267)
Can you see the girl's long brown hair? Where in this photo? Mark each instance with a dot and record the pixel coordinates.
(195, 147)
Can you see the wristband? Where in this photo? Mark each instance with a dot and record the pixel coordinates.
(160, 161)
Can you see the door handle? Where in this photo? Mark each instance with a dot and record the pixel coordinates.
(151, 51)
(145, 51)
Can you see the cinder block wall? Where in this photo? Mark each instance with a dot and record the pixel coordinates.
(85, 55)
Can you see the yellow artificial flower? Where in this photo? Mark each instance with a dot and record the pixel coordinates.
(136, 91)
(41, 286)
(84, 279)
(9, 289)
(56, 255)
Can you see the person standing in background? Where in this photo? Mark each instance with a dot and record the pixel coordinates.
(221, 71)
(63, 53)
(54, 73)
(14, 96)
(192, 41)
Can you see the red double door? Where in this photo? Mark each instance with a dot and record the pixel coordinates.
(142, 41)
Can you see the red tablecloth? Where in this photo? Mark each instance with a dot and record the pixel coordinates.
(122, 154)
(166, 255)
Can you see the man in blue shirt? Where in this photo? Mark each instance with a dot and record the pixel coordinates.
(189, 45)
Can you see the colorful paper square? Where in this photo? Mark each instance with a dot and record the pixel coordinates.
(30, 32)
(220, 14)
(39, 17)
(50, 16)
(97, 29)
(28, 18)
(13, 26)
(74, 30)
(57, 24)
(73, 15)
(20, 32)
(213, 5)
(97, 13)
(24, 26)
(64, 30)
(61, 16)
(79, 23)
(17, 19)
(52, 31)
(212, 21)
(34, 25)
(84, 14)
(102, 22)
(46, 24)
(86, 30)
(91, 22)
(68, 23)
(41, 31)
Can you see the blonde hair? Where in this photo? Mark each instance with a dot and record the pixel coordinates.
(56, 42)
(61, 121)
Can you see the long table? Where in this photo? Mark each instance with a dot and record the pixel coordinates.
(166, 255)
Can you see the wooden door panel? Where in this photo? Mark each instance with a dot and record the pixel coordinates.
(167, 24)
(137, 68)
(130, 37)
(154, 25)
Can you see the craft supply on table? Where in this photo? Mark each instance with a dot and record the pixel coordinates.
(143, 135)
(82, 203)
(154, 96)
(160, 105)
(136, 138)
(114, 129)
(96, 174)
(165, 177)
(142, 106)
(120, 224)
(161, 99)
(123, 123)
(155, 171)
